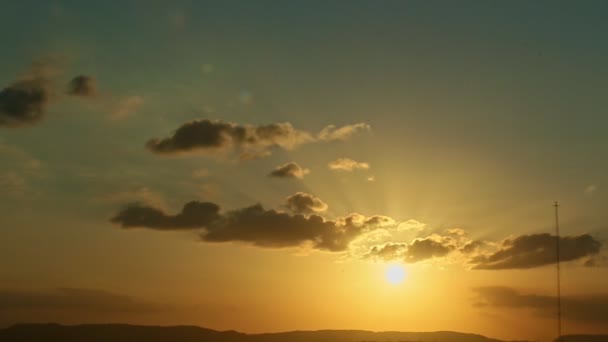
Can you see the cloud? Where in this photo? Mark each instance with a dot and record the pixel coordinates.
(126, 107)
(192, 216)
(528, 251)
(270, 228)
(387, 252)
(412, 225)
(72, 299)
(590, 189)
(82, 85)
(212, 136)
(588, 308)
(248, 141)
(256, 225)
(429, 247)
(473, 247)
(303, 203)
(433, 246)
(289, 170)
(347, 164)
(24, 102)
(333, 133)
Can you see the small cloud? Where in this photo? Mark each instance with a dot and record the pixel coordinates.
(590, 189)
(84, 86)
(411, 225)
(24, 102)
(347, 164)
(126, 107)
(371, 179)
(455, 231)
(303, 203)
(333, 133)
(289, 170)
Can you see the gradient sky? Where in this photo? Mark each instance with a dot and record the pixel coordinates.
(464, 122)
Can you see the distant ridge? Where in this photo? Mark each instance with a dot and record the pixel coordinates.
(134, 333)
(583, 338)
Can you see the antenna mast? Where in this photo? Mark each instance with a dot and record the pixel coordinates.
(557, 254)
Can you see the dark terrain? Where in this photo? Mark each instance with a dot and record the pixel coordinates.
(133, 333)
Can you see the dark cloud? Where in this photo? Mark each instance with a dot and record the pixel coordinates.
(214, 136)
(289, 170)
(270, 228)
(255, 225)
(588, 308)
(303, 203)
(82, 85)
(528, 251)
(24, 102)
(427, 248)
(72, 299)
(249, 141)
(193, 215)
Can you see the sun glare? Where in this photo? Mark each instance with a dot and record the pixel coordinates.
(394, 274)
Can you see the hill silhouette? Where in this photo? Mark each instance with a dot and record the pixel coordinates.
(132, 333)
(135, 333)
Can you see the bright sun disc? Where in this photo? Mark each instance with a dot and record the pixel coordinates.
(395, 274)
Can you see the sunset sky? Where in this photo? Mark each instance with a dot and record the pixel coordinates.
(260, 165)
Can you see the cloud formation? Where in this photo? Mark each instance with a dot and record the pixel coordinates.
(303, 203)
(248, 141)
(528, 251)
(82, 85)
(588, 308)
(256, 225)
(192, 216)
(289, 170)
(347, 164)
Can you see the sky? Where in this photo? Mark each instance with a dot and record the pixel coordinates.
(259, 166)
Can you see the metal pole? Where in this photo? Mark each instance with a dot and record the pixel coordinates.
(557, 254)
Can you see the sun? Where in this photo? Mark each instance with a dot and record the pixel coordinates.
(394, 274)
